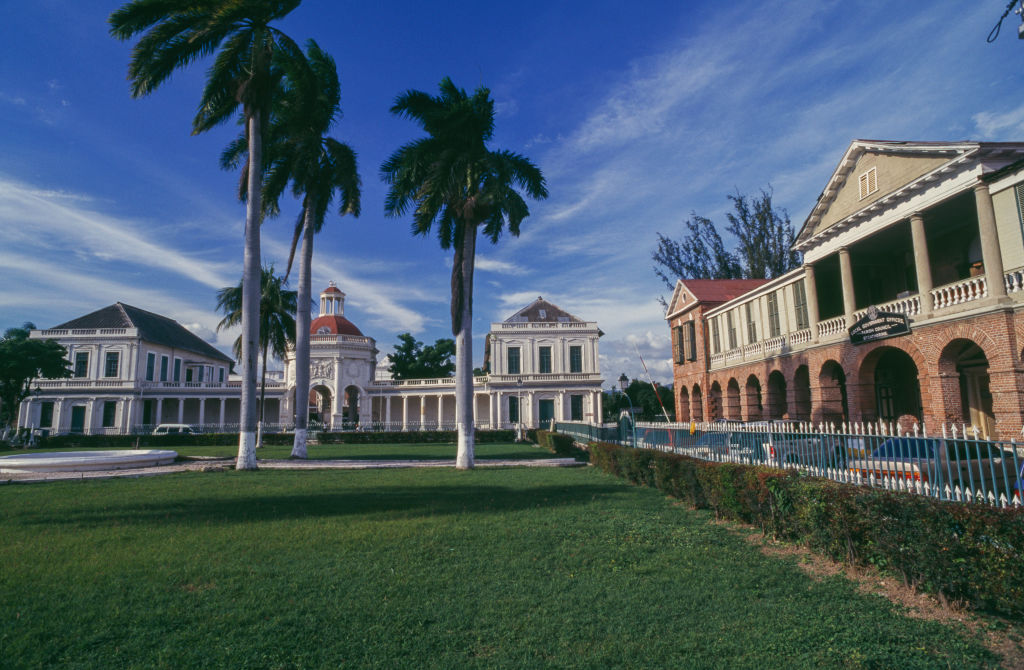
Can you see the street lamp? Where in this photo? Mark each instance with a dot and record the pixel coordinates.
(519, 410)
(623, 385)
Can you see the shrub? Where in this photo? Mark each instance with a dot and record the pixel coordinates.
(968, 553)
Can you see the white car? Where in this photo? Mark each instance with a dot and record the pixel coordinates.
(173, 429)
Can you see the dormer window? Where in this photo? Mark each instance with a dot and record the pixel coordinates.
(323, 330)
(868, 183)
(543, 313)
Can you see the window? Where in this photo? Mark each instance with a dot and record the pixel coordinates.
(543, 313)
(690, 341)
(46, 415)
(82, 364)
(513, 409)
(716, 340)
(150, 366)
(545, 360)
(800, 305)
(201, 368)
(163, 368)
(576, 408)
(677, 345)
(177, 369)
(113, 359)
(221, 375)
(575, 359)
(731, 327)
(773, 314)
(1018, 191)
(109, 412)
(751, 324)
(189, 373)
(513, 360)
(868, 183)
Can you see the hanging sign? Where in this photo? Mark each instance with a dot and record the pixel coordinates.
(877, 325)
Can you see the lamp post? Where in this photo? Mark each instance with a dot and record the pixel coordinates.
(519, 410)
(623, 384)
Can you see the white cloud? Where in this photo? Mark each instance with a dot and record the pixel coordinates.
(488, 264)
(1006, 124)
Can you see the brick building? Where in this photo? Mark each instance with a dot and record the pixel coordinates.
(910, 301)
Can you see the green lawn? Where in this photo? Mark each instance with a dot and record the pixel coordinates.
(418, 568)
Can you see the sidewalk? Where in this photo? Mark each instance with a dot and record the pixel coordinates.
(208, 465)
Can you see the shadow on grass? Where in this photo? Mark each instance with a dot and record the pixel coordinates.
(398, 502)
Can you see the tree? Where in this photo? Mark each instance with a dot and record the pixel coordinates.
(452, 179)
(175, 34)
(644, 402)
(412, 360)
(277, 325)
(22, 361)
(764, 240)
(299, 152)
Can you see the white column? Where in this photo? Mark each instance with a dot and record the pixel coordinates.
(846, 275)
(158, 415)
(560, 414)
(991, 256)
(220, 419)
(405, 412)
(922, 264)
(387, 412)
(599, 404)
(181, 410)
(440, 410)
(126, 415)
(423, 411)
(528, 416)
(202, 411)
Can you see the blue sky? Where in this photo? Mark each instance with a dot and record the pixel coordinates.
(638, 114)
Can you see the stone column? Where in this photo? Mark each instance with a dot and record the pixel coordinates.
(405, 412)
(598, 405)
(387, 412)
(423, 412)
(220, 417)
(990, 254)
(922, 264)
(440, 410)
(846, 275)
(811, 295)
(159, 414)
(181, 410)
(202, 411)
(497, 411)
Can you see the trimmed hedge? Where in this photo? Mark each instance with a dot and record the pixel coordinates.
(561, 445)
(221, 439)
(967, 553)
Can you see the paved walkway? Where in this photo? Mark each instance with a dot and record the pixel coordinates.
(207, 465)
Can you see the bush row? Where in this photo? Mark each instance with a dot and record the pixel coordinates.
(966, 553)
(219, 439)
(562, 445)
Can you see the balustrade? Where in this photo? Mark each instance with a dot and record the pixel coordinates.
(959, 293)
(833, 326)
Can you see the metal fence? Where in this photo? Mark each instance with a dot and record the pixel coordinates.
(954, 465)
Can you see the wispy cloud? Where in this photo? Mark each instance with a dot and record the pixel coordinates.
(1005, 124)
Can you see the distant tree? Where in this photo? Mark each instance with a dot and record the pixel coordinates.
(277, 323)
(412, 360)
(644, 402)
(764, 240)
(22, 361)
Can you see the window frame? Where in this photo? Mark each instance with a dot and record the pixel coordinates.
(576, 358)
(576, 402)
(774, 327)
(514, 355)
(81, 360)
(545, 359)
(150, 366)
(109, 414)
(111, 362)
(800, 305)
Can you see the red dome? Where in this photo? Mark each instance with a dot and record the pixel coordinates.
(332, 324)
(332, 289)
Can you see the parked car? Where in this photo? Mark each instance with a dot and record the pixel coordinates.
(174, 429)
(908, 458)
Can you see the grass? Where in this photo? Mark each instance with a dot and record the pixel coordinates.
(418, 568)
(425, 451)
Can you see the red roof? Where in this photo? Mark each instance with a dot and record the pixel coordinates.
(335, 325)
(332, 289)
(720, 290)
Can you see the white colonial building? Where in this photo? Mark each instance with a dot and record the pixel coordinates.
(135, 369)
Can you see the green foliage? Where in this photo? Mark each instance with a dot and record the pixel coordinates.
(961, 552)
(277, 313)
(644, 401)
(412, 359)
(22, 361)
(764, 237)
(562, 445)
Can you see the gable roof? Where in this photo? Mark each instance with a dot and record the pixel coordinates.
(152, 328)
(708, 292)
(542, 311)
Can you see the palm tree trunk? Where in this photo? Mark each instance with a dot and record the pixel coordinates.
(302, 337)
(251, 275)
(263, 396)
(462, 280)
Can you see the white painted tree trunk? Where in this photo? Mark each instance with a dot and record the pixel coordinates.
(251, 276)
(302, 337)
(464, 399)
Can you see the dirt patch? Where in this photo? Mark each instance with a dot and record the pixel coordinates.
(1003, 637)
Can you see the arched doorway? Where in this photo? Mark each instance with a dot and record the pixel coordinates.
(897, 391)
(697, 406)
(350, 412)
(732, 401)
(835, 405)
(802, 394)
(683, 411)
(755, 406)
(776, 395)
(973, 406)
(715, 401)
(320, 404)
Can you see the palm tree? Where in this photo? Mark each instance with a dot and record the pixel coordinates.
(298, 151)
(277, 325)
(450, 177)
(177, 33)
